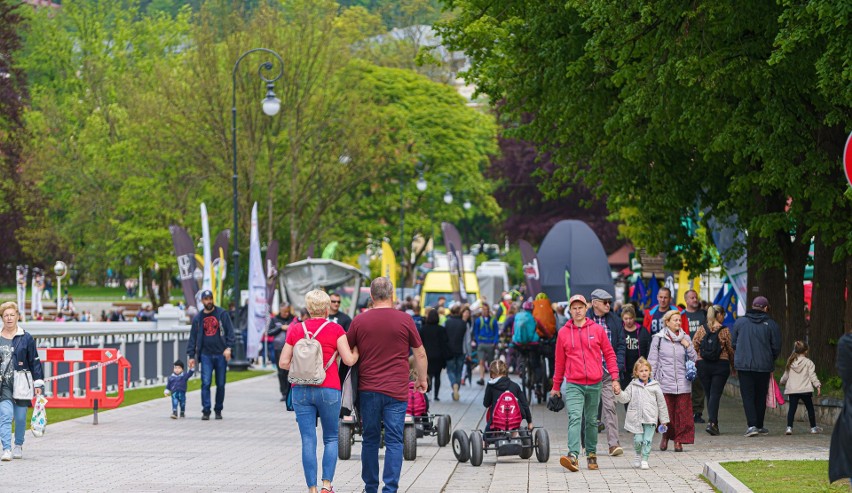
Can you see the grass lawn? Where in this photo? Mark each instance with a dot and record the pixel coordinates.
(135, 396)
(781, 476)
(94, 293)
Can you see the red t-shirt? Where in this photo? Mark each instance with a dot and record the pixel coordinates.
(327, 338)
(383, 337)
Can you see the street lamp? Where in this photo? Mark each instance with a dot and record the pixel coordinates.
(271, 105)
(448, 197)
(466, 204)
(61, 270)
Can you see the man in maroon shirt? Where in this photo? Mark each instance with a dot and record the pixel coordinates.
(383, 337)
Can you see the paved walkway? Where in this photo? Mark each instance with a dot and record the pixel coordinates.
(256, 448)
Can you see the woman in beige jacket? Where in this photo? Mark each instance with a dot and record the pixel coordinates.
(800, 379)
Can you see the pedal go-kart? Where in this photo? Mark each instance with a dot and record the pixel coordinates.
(426, 425)
(521, 442)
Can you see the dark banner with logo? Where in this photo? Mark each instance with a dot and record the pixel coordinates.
(532, 275)
(455, 253)
(185, 253)
(271, 272)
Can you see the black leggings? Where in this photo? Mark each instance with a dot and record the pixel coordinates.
(713, 376)
(793, 401)
(435, 381)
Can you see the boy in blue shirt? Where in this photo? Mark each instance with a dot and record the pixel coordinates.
(176, 387)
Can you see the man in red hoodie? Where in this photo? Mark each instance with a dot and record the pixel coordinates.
(577, 377)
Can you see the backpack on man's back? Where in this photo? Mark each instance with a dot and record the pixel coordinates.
(525, 328)
(306, 367)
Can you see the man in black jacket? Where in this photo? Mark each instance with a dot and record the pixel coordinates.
(456, 329)
(756, 339)
(601, 314)
(839, 456)
(211, 339)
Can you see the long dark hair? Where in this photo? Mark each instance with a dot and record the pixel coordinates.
(432, 316)
(799, 348)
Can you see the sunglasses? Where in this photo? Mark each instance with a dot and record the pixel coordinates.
(336, 302)
(605, 302)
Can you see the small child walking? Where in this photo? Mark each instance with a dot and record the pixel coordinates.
(800, 379)
(647, 407)
(176, 387)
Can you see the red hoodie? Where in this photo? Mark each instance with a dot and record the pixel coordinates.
(578, 355)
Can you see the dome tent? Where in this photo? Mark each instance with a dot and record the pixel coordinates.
(571, 254)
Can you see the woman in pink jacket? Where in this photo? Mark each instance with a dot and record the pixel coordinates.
(670, 348)
(581, 347)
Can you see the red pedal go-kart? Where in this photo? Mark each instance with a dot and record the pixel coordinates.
(521, 442)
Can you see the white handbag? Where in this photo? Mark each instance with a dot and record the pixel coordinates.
(23, 385)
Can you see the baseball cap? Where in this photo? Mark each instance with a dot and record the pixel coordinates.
(600, 294)
(206, 294)
(760, 302)
(577, 297)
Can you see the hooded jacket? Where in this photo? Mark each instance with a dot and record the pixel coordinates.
(647, 405)
(578, 355)
(496, 387)
(667, 357)
(756, 339)
(801, 377)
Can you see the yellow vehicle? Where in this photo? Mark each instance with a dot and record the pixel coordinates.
(437, 283)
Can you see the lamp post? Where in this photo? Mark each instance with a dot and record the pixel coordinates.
(270, 105)
(61, 270)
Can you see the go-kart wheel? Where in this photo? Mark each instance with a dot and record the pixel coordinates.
(409, 442)
(461, 446)
(344, 442)
(443, 425)
(528, 444)
(476, 446)
(542, 445)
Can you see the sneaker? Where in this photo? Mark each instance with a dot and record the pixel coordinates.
(644, 465)
(480, 382)
(592, 462)
(816, 430)
(17, 452)
(174, 414)
(219, 415)
(697, 418)
(601, 427)
(615, 451)
(455, 391)
(751, 431)
(789, 430)
(437, 399)
(7, 455)
(569, 462)
(205, 416)
(713, 429)
(637, 461)
(330, 489)
(763, 431)
(182, 415)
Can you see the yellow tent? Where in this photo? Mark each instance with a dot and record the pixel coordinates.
(684, 284)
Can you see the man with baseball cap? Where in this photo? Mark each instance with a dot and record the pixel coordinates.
(756, 339)
(601, 313)
(582, 346)
(211, 339)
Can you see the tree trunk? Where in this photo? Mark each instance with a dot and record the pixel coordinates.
(848, 318)
(827, 315)
(795, 254)
(765, 280)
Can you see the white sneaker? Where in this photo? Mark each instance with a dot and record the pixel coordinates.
(645, 465)
(816, 430)
(637, 461)
(7, 455)
(17, 452)
(789, 430)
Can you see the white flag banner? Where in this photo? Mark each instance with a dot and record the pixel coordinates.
(258, 311)
(207, 279)
(35, 301)
(22, 288)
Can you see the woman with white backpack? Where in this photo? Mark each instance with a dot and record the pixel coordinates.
(310, 355)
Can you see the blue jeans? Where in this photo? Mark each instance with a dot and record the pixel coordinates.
(178, 398)
(310, 401)
(454, 369)
(210, 362)
(375, 409)
(9, 412)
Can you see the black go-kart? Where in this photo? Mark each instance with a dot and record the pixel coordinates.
(427, 425)
(521, 442)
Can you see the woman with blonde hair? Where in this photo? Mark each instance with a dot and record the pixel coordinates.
(715, 353)
(323, 400)
(670, 348)
(17, 352)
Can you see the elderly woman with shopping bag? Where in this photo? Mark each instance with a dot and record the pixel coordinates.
(21, 378)
(672, 357)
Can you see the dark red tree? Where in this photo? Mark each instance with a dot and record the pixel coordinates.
(520, 169)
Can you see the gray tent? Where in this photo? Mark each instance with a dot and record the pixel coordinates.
(316, 273)
(572, 254)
